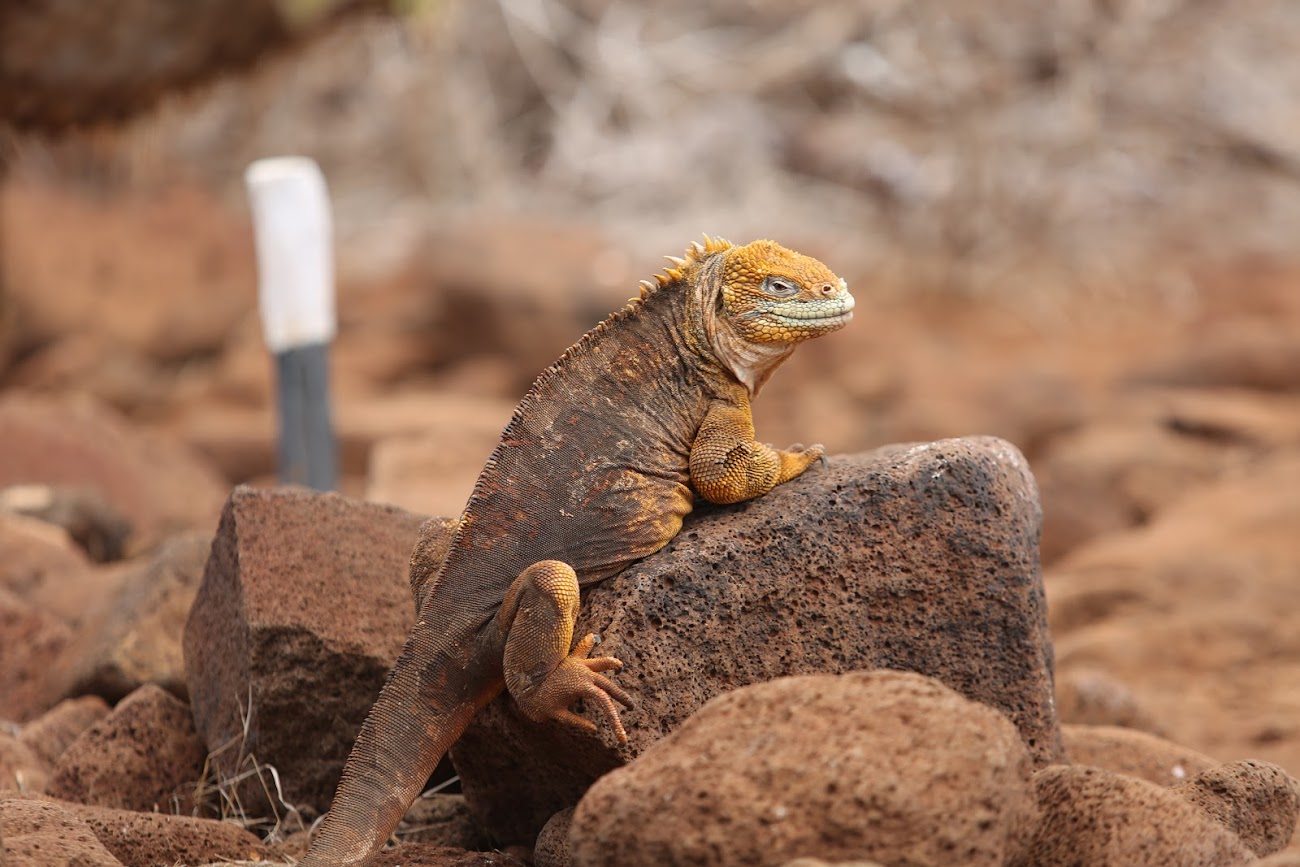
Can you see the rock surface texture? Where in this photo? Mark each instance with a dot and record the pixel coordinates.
(920, 558)
(1092, 816)
(878, 765)
(303, 607)
(144, 755)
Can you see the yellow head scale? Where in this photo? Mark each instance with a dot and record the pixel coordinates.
(774, 295)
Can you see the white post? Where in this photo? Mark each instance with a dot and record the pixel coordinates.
(295, 269)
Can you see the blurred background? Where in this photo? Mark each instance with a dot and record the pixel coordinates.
(1072, 224)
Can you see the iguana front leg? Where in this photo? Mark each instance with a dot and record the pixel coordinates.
(728, 466)
(542, 674)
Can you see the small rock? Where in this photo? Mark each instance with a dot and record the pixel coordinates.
(1257, 801)
(885, 765)
(88, 519)
(51, 733)
(21, 768)
(31, 639)
(145, 755)
(552, 846)
(41, 832)
(920, 558)
(138, 639)
(143, 839)
(1135, 753)
(443, 819)
(34, 554)
(433, 855)
(1093, 816)
(304, 605)
(1090, 697)
(158, 485)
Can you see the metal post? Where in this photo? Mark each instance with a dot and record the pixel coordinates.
(295, 268)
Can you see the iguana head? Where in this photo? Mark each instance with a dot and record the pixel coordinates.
(758, 301)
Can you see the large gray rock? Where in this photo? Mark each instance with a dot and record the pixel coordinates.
(921, 558)
(303, 608)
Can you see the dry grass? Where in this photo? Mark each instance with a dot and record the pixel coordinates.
(217, 792)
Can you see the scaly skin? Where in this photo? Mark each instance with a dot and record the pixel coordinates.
(597, 468)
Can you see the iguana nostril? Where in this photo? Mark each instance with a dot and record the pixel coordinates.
(827, 289)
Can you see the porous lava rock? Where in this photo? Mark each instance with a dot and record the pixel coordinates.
(1092, 697)
(304, 605)
(31, 638)
(916, 557)
(157, 484)
(53, 731)
(34, 553)
(552, 846)
(38, 832)
(432, 855)
(1094, 816)
(21, 769)
(1258, 801)
(139, 839)
(137, 639)
(444, 819)
(145, 755)
(1136, 753)
(882, 765)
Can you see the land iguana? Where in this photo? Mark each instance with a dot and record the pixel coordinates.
(596, 469)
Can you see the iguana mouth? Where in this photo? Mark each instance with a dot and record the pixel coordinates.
(835, 311)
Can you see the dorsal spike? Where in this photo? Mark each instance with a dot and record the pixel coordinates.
(678, 261)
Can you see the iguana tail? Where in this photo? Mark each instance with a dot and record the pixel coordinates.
(415, 720)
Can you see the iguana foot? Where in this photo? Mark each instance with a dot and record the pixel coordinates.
(542, 674)
(579, 677)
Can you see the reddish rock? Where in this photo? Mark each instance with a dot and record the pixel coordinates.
(920, 558)
(1257, 801)
(433, 855)
(467, 429)
(1135, 753)
(1204, 595)
(552, 846)
(138, 639)
(88, 519)
(434, 472)
(521, 288)
(54, 731)
(21, 768)
(32, 640)
(304, 605)
(1116, 474)
(157, 484)
(1094, 698)
(884, 765)
(41, 832)
(147, 839)
(1093, 816)
(145, 755)
(34, 554)
(442, 819)
(1248, 354)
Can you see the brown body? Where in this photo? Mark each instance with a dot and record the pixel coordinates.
(597, 468)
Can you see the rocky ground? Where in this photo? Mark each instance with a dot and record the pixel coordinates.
(1163, 436)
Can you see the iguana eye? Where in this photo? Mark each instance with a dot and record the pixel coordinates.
(779, 288)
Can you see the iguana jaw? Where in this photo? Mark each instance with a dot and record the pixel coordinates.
(761, 301)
